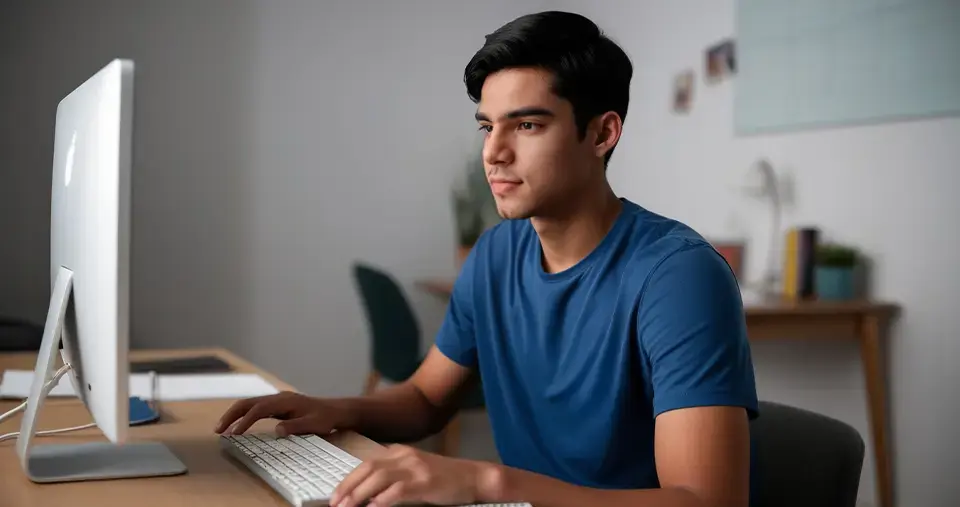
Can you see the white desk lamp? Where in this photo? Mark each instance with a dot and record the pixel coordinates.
(761, 182)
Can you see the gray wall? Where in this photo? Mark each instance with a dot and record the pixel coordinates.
(192, 126)
(276, 142)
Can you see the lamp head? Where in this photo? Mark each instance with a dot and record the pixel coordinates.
(760, 180)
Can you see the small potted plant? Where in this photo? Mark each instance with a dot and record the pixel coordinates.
(469, 225)
(475, 209)
(834, 272)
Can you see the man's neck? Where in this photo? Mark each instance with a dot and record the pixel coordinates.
(568, 239)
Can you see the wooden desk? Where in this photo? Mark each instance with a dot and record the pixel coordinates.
(776, 319)
(212, 478)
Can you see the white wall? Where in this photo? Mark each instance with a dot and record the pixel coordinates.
(276, 142)
(887, 188)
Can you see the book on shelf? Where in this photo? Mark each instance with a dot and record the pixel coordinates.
(800, 250)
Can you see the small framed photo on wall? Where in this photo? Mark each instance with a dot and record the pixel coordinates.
(720, 61)
(683, 91)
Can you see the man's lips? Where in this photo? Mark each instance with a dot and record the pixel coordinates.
(503, 186)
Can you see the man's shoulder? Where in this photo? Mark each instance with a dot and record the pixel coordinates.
(654, 229)
(659, 242)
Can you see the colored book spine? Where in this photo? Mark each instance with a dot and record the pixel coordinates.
(790, 264)
(799, 262)
(809, 237)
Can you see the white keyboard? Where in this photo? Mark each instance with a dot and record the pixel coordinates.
(302, 469)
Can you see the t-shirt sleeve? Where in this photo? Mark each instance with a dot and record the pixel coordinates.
(456, 338)
(692, 329)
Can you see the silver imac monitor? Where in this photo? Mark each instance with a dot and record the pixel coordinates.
(89, 276)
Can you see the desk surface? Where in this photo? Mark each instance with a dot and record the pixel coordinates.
(212, 479)
(763, 308)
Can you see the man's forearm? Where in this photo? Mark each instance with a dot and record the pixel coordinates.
(500, 484)
(399, 413)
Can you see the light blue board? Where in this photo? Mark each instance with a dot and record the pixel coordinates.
(817, 63)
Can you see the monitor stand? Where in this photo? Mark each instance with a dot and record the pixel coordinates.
(83, 461)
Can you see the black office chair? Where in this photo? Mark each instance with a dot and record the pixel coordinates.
(804, 459)
(19, 335)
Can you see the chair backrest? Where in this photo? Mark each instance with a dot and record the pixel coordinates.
(804, 459)
(393, 326)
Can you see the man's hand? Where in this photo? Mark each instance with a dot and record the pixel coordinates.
(404, 474)
(298, 413)
(406, 412)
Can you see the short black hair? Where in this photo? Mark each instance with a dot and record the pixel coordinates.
(589, 70)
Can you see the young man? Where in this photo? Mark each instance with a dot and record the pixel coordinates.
(610, 340)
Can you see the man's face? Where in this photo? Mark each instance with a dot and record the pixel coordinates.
(534, 159)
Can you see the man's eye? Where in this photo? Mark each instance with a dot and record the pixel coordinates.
(527, 125)
(486, 128)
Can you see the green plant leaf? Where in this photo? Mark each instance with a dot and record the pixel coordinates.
(475, 209)
(835, 255)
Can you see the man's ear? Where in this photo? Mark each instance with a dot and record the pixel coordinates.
(608, 127)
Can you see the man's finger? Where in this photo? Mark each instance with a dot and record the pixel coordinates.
(235, 412)
(397, 493)
(375, 483)
(264, 408)
(301, 425)
(358, 475)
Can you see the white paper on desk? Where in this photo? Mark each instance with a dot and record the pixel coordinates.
(173, 387)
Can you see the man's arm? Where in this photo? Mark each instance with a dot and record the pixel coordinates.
(411, 410)
(703, 460)
(406, 412)
(425, 403)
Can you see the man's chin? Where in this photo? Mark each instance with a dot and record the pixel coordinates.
(512, 213)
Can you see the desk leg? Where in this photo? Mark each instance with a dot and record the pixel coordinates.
(877, 404)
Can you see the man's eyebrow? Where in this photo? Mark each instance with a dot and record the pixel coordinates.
(518, 113)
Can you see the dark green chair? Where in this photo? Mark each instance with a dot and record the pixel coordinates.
(395, 341)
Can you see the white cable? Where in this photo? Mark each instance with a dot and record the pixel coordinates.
(13, 412)
(8, 436)
(87, 426)
(47, 388)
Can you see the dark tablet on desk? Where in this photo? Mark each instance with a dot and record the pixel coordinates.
(199, 364)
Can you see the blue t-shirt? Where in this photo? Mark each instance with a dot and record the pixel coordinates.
(576, 365)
